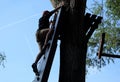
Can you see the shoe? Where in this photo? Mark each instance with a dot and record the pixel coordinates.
(35, 70)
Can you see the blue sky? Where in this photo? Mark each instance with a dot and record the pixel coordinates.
(18, 24)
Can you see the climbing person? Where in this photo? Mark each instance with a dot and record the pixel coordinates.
(43, 34)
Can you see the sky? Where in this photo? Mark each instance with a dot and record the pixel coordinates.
(18, 24)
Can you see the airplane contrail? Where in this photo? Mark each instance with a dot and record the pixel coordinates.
(17, 22)
(29, 46)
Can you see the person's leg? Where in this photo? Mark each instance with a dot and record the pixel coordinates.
(40, 37)
(48, 37)
(34, 65)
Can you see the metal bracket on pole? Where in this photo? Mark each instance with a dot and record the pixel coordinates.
(101, 45)
(101, 49)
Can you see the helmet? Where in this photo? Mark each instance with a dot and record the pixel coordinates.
(45, 12)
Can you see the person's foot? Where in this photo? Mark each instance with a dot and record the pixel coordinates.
(35, 70)
(38, 78)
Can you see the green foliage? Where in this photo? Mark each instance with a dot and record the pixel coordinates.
(110, 26)
(2, 59)
(113, 8)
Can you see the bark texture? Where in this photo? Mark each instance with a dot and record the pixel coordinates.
(73, 46)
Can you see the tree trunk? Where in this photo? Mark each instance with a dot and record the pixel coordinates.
(73, 46)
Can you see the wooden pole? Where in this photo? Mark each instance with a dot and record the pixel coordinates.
(110, 55)
(101, 49)
(101, 45)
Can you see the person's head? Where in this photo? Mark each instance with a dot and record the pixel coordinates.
(45, 12)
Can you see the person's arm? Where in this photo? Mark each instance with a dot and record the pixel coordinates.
(53, 11)
(51, 22)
